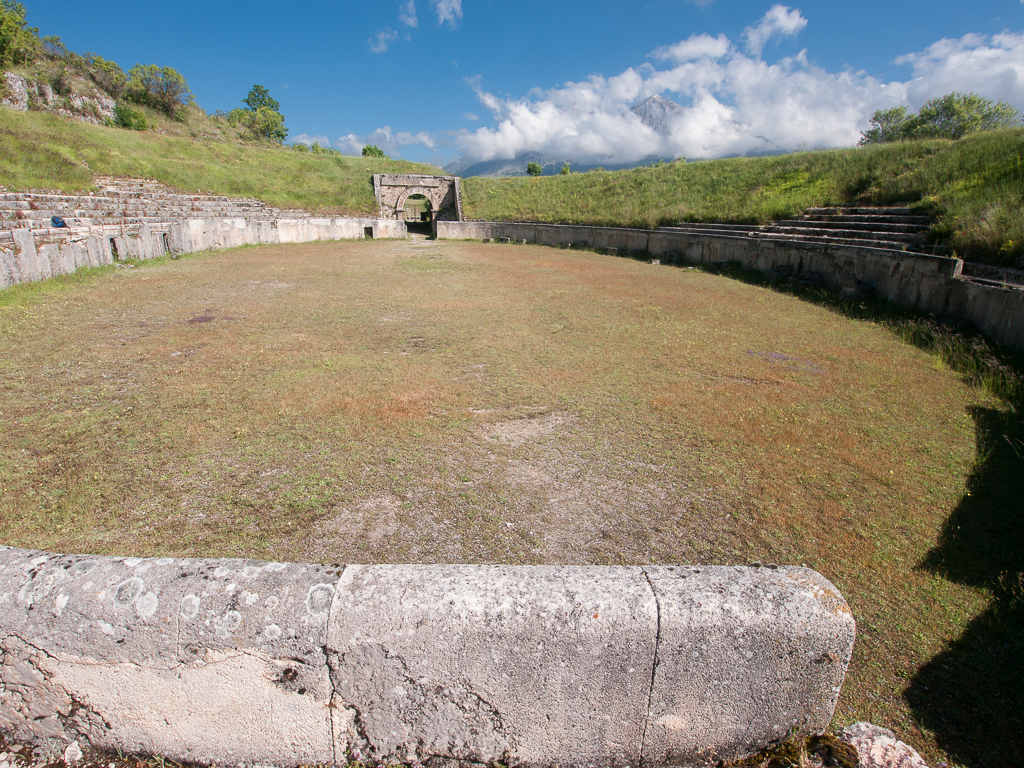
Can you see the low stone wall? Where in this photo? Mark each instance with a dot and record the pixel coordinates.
(918, 281)
(30, 255)
(241, 662)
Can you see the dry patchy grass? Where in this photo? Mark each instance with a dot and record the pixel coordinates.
(460, 402)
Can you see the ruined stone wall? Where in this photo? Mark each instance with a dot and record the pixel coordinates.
(252, 663)
(930, 284)
(443, 192)
(30, 255)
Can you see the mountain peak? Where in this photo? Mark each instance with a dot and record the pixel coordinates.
(657, 113)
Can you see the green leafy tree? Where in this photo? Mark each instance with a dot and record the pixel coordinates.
(952, 116)
(534, 169)
(261, 120)
(955, 115)
(108, 75)
(888, 125)
(566, 170)
(18, 41)
(260, 97)
(372, 150)
(162, 88)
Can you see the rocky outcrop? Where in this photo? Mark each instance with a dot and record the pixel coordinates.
(82, 102)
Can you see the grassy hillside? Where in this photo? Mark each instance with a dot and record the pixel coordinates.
(41, 150)
(974, 186)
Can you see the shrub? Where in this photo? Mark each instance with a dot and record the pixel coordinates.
(162, 88)
(566, 170)
(300, 147)
(372, 150)
(534, 169)
(131, 119)
(53, 47)
(60, 81)
(316, 149)
(107, 75)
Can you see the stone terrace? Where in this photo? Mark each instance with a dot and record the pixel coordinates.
(124, 202)
(899, 229)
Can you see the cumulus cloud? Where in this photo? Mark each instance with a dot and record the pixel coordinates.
(408, 15)
(733, 102)
(383, 40)
(695, 47)
(780, 21)
(384, 138)
(449, 11)
(993, 67)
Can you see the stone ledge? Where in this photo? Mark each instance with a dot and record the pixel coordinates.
(243, 663)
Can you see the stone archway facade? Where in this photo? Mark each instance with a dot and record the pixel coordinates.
(443, 192)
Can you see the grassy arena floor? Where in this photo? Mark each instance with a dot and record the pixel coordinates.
(462, 402)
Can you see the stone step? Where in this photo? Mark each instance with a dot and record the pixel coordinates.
(804, 237)
(848, 234)
(864, 226)
(923, 221)
(865, 211)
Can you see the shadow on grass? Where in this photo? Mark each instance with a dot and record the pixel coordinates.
(971, 695)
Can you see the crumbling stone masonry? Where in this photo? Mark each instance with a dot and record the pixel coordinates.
(443, 192)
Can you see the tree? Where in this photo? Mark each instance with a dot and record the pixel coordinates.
(566, 170)
(372, 150)
(18, 41)
(888, 125)
(534, 169)
(267, 123)
(955, 115)
(258, 98)
(160, 87)
(952, 116)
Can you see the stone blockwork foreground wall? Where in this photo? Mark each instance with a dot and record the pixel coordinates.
(241, 662)
(37, 254)
(926, 283)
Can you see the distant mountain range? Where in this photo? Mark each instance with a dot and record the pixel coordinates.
(656, 112)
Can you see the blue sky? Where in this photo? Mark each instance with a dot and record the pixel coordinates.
(438, 79)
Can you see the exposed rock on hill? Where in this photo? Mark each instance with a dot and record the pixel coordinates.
(82, 100)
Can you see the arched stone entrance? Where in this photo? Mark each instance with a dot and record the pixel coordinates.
(443, 192)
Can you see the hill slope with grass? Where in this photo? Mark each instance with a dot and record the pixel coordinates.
(45, 151)
(974, 187)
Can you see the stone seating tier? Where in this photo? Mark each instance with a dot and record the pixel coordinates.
(123, 202)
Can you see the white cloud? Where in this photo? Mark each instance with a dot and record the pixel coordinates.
(308, 140)
(695, 47)
(993, 67)
(780, 21)
(474, 117)
(408, 15)
(733, 101)
(733, 104)
(385, 139)
(448, 11)
(384, 38)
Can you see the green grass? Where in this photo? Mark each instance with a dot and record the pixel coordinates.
(43, 151)
(975, 188)
(462, 402)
